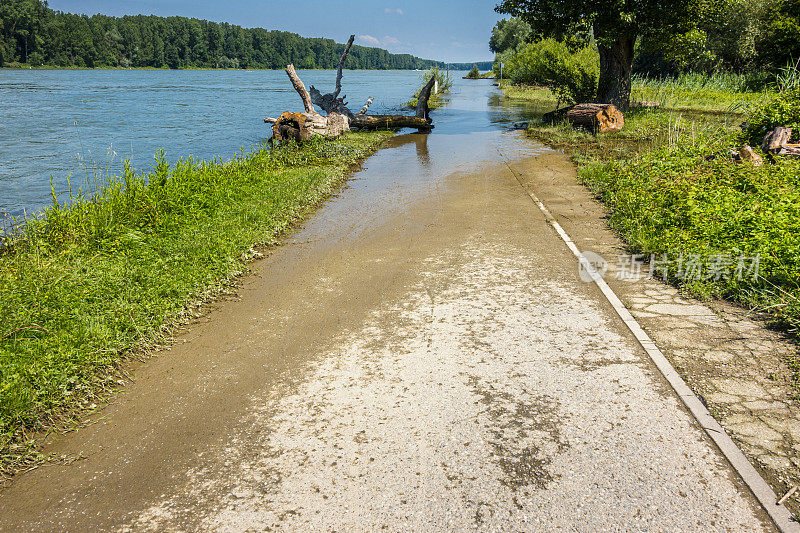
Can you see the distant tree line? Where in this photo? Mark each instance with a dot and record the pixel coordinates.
(32, 33)
(482, 65)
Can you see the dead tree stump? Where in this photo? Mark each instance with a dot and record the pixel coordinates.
(303, 126)
(776, 139)
(596, 117)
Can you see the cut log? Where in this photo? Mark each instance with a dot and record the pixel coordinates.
(776, 139)
(596, 117)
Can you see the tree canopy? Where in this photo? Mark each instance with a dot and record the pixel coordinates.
(508, 34)
(615, 25)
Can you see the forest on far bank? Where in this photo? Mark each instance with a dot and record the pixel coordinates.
(32, 33)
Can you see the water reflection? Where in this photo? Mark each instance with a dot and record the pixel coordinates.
(420, 141)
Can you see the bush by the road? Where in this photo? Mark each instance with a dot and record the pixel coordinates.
(571, 76)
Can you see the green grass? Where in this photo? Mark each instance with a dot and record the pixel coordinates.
(672, 188)
(692, 200)
(699, 93)
(88, 283)
(694, 94)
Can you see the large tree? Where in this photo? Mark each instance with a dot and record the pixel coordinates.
(508, 35)
(616, 24)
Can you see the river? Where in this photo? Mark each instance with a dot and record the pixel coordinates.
(79, 125)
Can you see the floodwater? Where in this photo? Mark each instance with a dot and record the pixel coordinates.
(78, 125)
(420, 355)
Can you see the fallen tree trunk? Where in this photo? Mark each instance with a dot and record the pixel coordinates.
(303, 126)
(388, 122)
(596, 117)
(421, 121)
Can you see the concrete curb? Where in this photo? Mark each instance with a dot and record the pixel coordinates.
(779, 514)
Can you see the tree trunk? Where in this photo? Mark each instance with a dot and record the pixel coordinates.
(386, 122)
(616, 64)
(596, 117)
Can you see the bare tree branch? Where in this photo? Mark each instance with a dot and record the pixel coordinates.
(341, 65)
(366, 106)
(300, 88)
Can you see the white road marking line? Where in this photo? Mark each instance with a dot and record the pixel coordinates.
(779, 514)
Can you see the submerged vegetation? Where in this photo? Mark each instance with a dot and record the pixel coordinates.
(110, 272)
(444, 82)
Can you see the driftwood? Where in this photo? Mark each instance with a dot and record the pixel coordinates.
(790, 150)
(596, 117)
(366, 106)
(331, 103)
(339, 118)
(777, 142)
(303, 126)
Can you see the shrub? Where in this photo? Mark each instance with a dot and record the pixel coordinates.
(679, 202)
(571, 76)
(474, 74)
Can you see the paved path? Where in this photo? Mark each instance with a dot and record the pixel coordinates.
(422, 355)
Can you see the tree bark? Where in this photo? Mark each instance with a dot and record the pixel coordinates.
(776, 139)
(297, 83)
(616, 64)
(596, 117)
(423, 97)
(303, 126)
(386, 122)
(331, 103)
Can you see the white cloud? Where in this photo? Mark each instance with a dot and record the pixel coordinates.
(369, 39)
(393, 11)
(388, 40)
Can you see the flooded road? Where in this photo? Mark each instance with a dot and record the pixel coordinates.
(422, 354)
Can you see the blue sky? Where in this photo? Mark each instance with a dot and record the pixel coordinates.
(449, 30)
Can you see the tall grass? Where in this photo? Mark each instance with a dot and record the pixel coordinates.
(107, 271)
(719, 92)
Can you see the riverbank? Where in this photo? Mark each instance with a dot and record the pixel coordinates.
(717, 230)
(674, 192)
(422, 354)
(103, 279)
